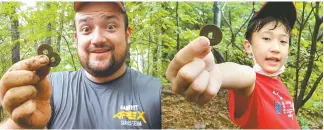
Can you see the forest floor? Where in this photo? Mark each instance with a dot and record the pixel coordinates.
(177, 113)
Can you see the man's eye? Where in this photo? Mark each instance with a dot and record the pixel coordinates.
(111, 27)
(85, 29)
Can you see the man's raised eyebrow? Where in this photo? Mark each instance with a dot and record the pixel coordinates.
(107, 17)
(84, 19)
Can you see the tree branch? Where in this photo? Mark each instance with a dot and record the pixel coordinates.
(320, 37)
(244, 23)
(201, 18)
(23, 57)
(227, 23)
(318, 22)
(305, 22)
(309, 95)
(296, 101)
(310, 30)
(67, 43)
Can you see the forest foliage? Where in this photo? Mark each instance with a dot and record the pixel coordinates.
(160, 29)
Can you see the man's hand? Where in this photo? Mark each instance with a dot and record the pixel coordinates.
(25, 92)
(191, 70)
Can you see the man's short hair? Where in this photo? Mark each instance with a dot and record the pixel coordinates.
(77, 5)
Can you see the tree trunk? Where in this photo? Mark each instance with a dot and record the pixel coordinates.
(15, 51)
(300, 99)
(178, 31)
(48, 39)
(217, 14)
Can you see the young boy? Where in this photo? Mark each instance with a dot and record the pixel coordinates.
(269, 105)
(257, 97)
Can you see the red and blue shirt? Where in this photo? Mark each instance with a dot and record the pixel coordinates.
(269, 106)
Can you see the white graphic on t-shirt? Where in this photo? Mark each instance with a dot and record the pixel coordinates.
(274, 92)
(284, 106)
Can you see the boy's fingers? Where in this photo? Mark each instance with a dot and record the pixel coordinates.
(210, 61)
(31, 64)
(187, 74)
(197, 87)
(196, 48)
(212, 89)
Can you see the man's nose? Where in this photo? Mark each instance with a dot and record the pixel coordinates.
(98, 37)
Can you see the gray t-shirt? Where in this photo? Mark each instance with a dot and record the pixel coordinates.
(130, 101)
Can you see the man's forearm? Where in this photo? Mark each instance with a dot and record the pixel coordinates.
(236, 76)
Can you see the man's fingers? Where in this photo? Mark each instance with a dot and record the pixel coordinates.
(32, 114)
(17, 78)
(43, 112)
(196, 48)
(213, 87)
(31, 64)
(42, 72)
(197, 87)
(186, 75)
(44, 90)
(18, 95)
(22, 114)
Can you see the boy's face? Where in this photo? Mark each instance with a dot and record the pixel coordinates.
(270, 47)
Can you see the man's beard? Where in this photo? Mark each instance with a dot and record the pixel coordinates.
(112, 67)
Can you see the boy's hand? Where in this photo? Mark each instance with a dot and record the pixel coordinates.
(191, 70)
(25, 92)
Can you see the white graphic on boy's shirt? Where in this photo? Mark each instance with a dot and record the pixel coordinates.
(284, 106)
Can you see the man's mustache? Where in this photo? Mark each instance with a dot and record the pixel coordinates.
(101, 47)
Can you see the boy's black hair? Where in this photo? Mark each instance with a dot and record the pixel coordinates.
(278, 12)
(257, 24)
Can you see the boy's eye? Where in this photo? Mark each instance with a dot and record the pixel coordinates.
(111, 27)
(85, 29)
(265, 38)
(283, 41)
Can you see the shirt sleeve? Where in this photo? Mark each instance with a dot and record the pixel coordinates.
(241, 107)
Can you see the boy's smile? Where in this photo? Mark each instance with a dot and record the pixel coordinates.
(270, 46)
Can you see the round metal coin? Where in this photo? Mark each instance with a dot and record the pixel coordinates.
(216, 34)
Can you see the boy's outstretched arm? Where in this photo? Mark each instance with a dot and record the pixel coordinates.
(194, 74)
(240, 78)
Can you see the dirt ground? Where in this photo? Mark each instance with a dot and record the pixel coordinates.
(179, 113)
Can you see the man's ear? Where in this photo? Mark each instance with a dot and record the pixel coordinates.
(128, 34)
(247, 46)
(75, 39)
